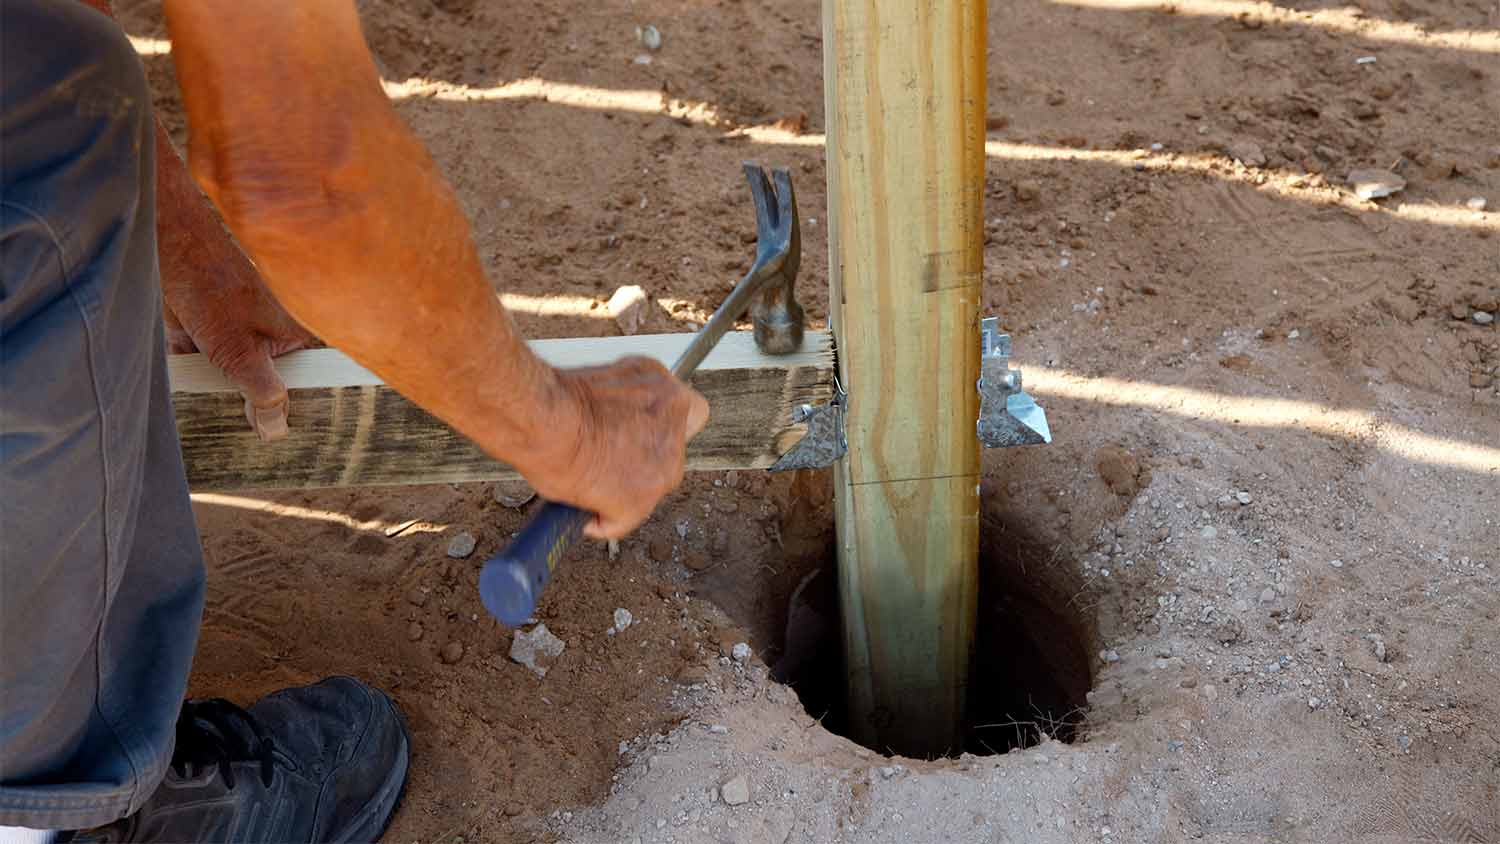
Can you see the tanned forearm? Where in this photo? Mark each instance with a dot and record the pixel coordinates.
(348, 218)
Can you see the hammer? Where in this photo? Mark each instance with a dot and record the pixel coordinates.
(513, 579)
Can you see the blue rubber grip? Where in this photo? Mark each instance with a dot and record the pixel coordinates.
(512, 580)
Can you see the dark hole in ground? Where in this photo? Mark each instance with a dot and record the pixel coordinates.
(1031, 668)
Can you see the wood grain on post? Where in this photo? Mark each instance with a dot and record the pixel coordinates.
(905, 88)
(347, 428)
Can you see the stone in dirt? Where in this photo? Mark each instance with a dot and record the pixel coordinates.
(623, 619)
(736, 792)
(417, 596)
(1375, 183)
(1119, 469)
(536, 649)
(1248, 153)
(452, 652)
(1476, 203)
(740, 652)
(513, 494)
(414, 632)
(461, 545)
(1028, 191)
(1483, 317)
(628, 307)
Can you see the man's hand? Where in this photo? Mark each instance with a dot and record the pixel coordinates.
(620, 443)
(216, 302)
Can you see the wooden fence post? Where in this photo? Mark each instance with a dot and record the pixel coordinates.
(905, 96)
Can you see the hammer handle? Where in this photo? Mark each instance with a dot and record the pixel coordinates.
(513, 579)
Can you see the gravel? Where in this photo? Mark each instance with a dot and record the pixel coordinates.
(736, 792)
(623, 620)
(536, 649)
(461, 545)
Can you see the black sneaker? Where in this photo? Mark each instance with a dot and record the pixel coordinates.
(320, 763)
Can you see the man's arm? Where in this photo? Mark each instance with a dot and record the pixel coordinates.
(214, 300)
(357, 234)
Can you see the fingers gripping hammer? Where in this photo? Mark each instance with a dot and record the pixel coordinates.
(512, 580)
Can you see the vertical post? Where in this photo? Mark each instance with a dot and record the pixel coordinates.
(905, 101)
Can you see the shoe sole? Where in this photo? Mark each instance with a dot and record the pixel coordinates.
(371, 822)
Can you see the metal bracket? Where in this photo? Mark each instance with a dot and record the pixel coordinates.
(824, 443)
(1007, 415)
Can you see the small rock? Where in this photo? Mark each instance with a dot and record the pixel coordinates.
(628, 307)
(718, 729)
(1268, 595)
(1314, 703)
(1109, 656)
(1380, 651)
(1375, 183)
(660, 550)
(452, 652)
(513, 494)
(1483, 317)
(1209, 532)
(649, 36)
(536, 649)
(886, 771)
(1243, 498)
(1476, 203)
(417, 596)
(1338, 564)
(1028, 191)
(1106, 695)
(1163, 533)
(736, 792)
(623, 619)
(740, 652)
(1293, 334)
(1248, 153)
(414, 632)
(1175, 746)
(1480, 380)
(461, 545)
(642, 59)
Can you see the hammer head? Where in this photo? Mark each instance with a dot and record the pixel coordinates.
(774, 312)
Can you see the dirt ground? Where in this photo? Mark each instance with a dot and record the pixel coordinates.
(1266, 539)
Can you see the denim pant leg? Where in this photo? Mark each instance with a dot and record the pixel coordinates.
(101, 572)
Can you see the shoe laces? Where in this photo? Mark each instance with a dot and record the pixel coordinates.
(208, 733)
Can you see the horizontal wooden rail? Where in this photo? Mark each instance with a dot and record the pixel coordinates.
(347, 428)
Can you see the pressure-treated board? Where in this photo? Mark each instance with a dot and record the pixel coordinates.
(905, 100)
(349, 429)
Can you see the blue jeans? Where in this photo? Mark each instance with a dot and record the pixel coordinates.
(101, 571)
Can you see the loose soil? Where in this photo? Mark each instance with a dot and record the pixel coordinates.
(1211, 316)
